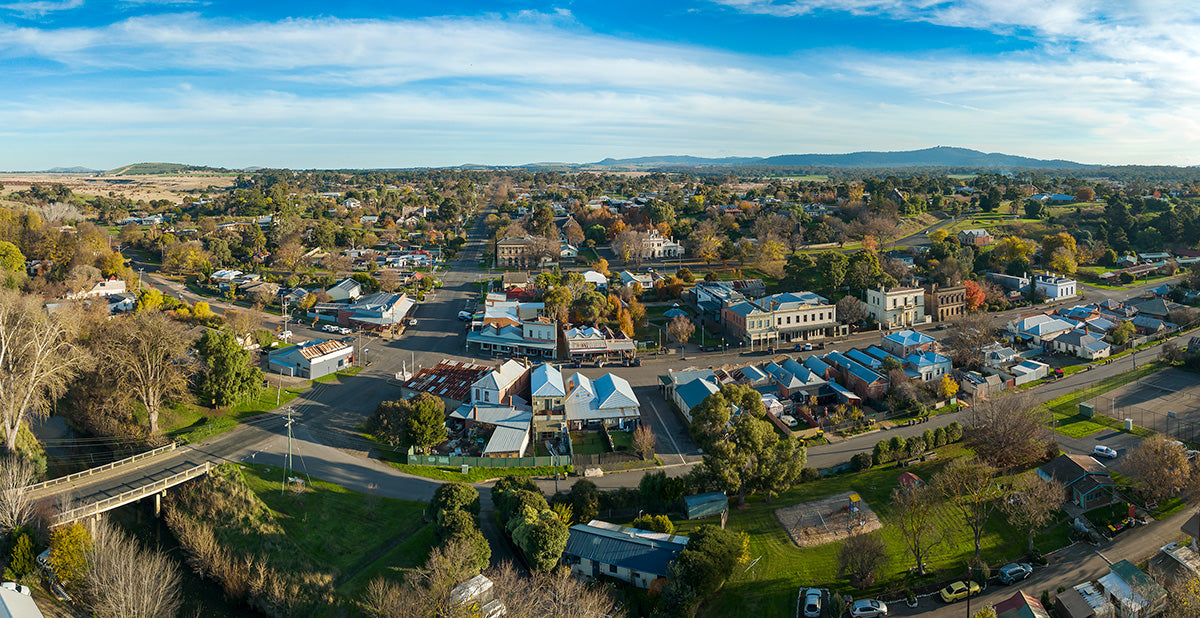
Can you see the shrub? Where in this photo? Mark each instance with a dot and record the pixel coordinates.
(930, 440)
(454, 497)
(953, 432)
(808, 475)
(939, 436)
(883, 452)
(861, 461)
(20, 562)
(654, 523)
(899, 447)
(916, 446)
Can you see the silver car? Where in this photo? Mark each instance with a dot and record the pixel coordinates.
(868, 608)
(812, 603)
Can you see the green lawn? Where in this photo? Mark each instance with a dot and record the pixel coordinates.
(187, 423)
(588, 442)
(769, 587)
(622, 440)
(475, 474)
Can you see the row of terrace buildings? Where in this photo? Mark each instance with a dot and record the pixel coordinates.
(512, 328)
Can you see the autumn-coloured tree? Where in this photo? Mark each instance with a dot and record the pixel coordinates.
(626, 321)
(975, 295)
(947, 387)
(680, 329)
(1085, 194)
(1160, 466)
(1060, 240)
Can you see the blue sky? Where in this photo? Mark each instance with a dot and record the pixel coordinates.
(400, 84)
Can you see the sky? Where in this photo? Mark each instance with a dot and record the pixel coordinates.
(306, 84)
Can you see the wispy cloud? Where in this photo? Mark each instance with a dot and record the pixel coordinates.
(41, 7)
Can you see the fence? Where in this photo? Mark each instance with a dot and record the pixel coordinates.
(98, 469)
(488, 462)
(605, 459)
(1182, 424)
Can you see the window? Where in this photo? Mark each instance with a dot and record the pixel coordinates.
(612, 568)
(486, 396)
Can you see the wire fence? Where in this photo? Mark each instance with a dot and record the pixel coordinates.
(1178, 417)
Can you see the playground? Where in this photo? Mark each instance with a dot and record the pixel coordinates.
(826, 521)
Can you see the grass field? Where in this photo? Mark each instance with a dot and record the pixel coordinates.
(769, 587)
(588, 443)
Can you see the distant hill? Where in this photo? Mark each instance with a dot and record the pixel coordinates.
(150, 169)
(72, 170)
(941, 156)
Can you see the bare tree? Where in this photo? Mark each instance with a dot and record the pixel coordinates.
(680, 329)
(243, 322)
(1160, 466)
(644, 441)
(706, 241)
(628, 245)
(1033, 503)
(916, 510)
(38, 358)
(556, 593)
(126, 581)
(16, 506)
(970, 489)
(851, 310)
(147, 352)
(1009, 430)
(968, 334)
(861, 556)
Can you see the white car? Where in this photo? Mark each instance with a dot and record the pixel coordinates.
(868, 608)
(464, 315)
(329, 328)
(812, 603)
(345, 331)
(1104, 451)
(15, 587)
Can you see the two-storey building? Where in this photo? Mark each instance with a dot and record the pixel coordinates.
(901, 307)
(945, 302)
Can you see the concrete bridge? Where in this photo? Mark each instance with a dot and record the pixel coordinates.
(89, 493)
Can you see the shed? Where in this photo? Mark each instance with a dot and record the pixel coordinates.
(706, 505)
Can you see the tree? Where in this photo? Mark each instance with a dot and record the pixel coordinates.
(861, 557)
(644, 441)
(229, 378)
(917, 515)
(38, 359)
(966, 338)
(12, 265)
(21, 561)
(850, 310)
(1033, 503)
(706, 241)
(971, 492)
(1063, 261)
(1185, 599)
(454, 496)
(701, 568)
(1009, 430)
(947, 387)
(1085, 194)
(975, 295)
(1160, 467)
(654, 523)
(1122, 333)
(124, 580)
(16, 504)
(540, 535)
(1034, 209)
(585, 500)
(145, 353)
(680, 329)
(425, 422)
(833, 266)
(70, 545)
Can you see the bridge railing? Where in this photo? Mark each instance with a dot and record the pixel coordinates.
(99, 506)
(98, 469)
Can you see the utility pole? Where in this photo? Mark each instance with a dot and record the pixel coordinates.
(288, 469)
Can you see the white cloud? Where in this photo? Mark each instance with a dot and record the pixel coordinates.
(41, 8)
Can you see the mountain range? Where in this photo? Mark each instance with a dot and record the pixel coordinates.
(940, 156)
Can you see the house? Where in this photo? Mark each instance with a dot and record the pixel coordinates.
(597, 279)
(794, 380)
(1083, 601)
(1154, 307)
(1126, 261)
(998, 355)
(597, 342)
(977, 237)
(1191, 527)
(606, 401)
(225, 275)
(905, 342)
(547, 394)
(687, 388)
(1027, 371)
(656, 246)
(121, 303)
(1082, 344)
(1020, 605)
(311, 359)
(1011, 282)
(514, 279)
(376, 312)
(817, 211)
(861, 380)
(1174, 564)
(930, 365)
(498, 385)
(977, 384)
(945, 303)
(534, 337)
(896, 308)
(1088, 483)
(1147, 325)
(1131, 591)
(782, 318)
(526, 251)
(344, 291)
(1054, 287)
(509, 427)
(106, 287)
(448, 380)
(1039, 329)
(369, 219)
(628, 279)
(635, 556)
(1151, 258)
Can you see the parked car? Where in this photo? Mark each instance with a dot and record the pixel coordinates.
(812, 603)
(464, 315)
(1104, 451)
(15, 587)
(808, 347)
(1014, 572)
(799, 347)
(412, 321)
(959, 591)
(868, 608)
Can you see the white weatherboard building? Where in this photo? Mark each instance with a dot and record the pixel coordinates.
(1054, 286)
(311, 359)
